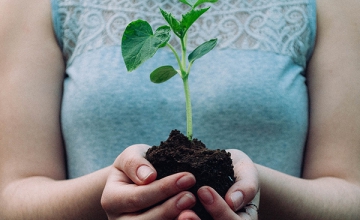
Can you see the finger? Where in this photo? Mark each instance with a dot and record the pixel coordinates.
(246, 185)
(251, 210)
(133, 163)
(215, 204)
(168, 210)
(120, 197)
(188, 215)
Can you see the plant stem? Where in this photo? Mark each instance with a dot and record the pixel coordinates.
(175, 53)
(189, 133)
(185, 76)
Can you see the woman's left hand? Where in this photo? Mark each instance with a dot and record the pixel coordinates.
(131, 191)
(242, 199)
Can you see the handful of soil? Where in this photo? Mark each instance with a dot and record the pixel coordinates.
(210, 167)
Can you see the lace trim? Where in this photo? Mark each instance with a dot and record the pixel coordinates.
(280, 26)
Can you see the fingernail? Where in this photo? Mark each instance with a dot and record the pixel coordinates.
(237, 199)
(206, 196)
(186, 201)
(185, 182)
(144, 172)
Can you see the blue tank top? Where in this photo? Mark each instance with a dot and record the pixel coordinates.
(249, 93)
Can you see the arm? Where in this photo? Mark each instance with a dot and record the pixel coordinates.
(331, 185)
(32, 167)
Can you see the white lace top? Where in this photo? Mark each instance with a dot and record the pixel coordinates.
(249, 93)
(268, 25)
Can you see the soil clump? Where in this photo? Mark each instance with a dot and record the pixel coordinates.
(210, 167)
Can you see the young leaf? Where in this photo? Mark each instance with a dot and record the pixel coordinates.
(202, 50)
(195, 3)
(173, 22)
(189, 2)
(199, 2)
(139, 43)
(180, 28)
(162, 74)
(189, 18)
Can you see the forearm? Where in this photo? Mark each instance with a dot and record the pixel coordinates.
(287, 197)
(42, 198)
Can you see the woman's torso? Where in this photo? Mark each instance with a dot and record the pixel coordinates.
(248, 93)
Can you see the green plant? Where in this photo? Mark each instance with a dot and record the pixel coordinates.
(140, 43)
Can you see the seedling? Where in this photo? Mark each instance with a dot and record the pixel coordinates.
(140, 43)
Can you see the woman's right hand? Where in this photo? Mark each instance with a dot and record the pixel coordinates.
(131, 191)
(241, 200)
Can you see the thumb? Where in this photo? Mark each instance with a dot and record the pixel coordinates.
(133, 163)
(246, 186)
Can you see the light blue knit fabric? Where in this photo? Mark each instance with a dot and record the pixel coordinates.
(249, 93)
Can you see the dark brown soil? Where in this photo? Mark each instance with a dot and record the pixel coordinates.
(210, 167)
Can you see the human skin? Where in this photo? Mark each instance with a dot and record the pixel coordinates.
(124, 182)
(32, 165)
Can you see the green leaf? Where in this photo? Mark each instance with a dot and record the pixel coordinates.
(202, 50)
(139, 43)
(181, 27)
(189, 2)
(195, 3)
(162, 74)
(189, 18)
(199, 2)
(173, 22)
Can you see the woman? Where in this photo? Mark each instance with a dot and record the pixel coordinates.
(64, 121)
